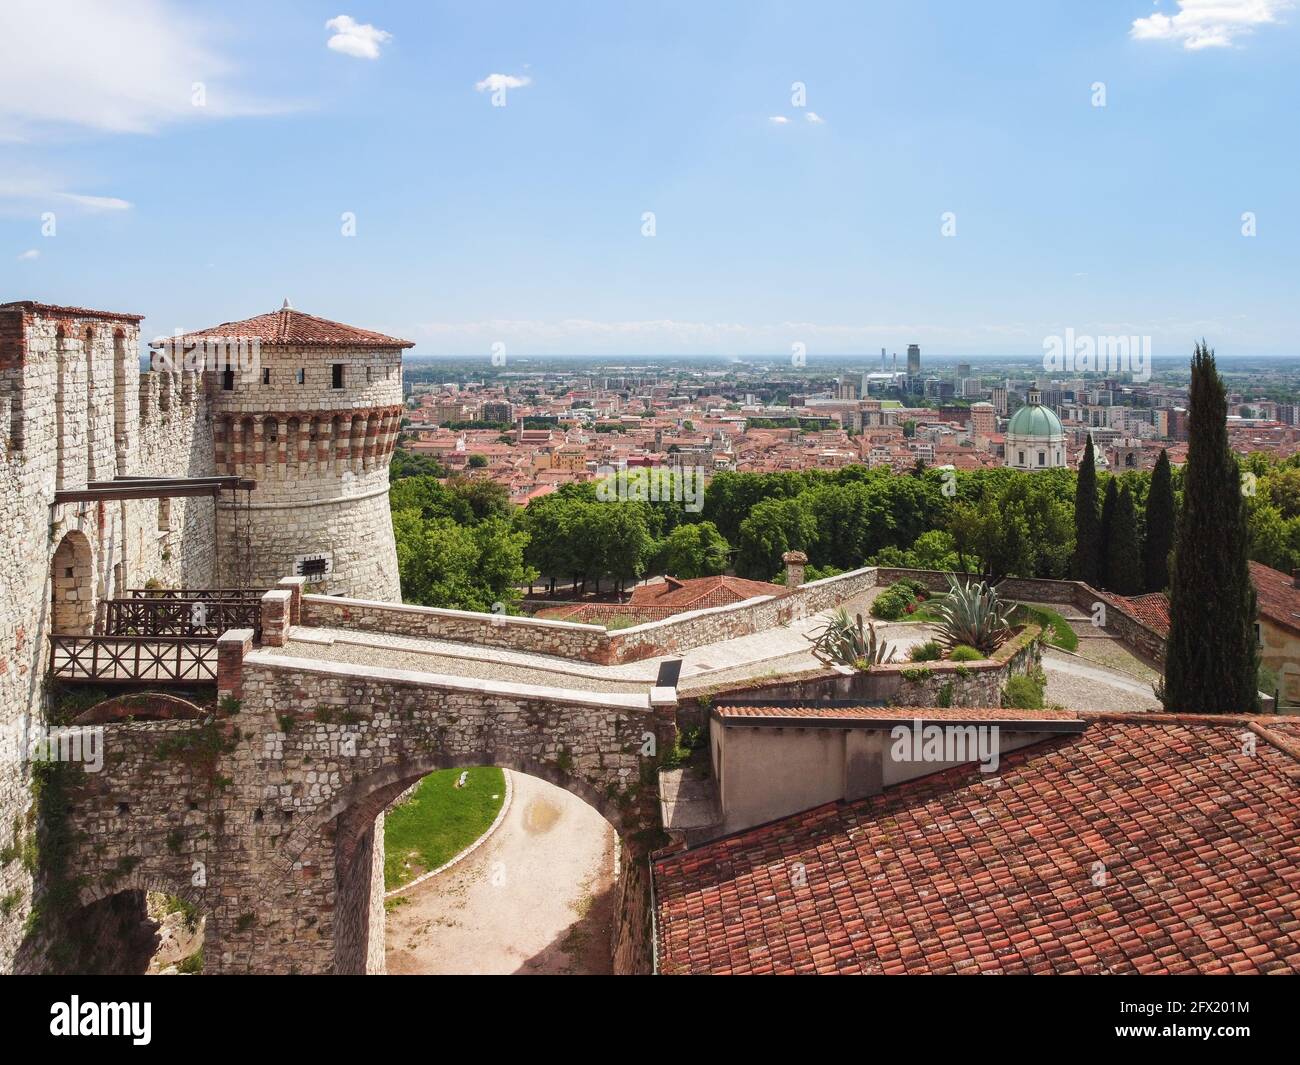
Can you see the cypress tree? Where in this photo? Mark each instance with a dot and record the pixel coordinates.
(1108, 505)
(1086, 564)
(1160, 526)
(1211, 659)
(1123, 560)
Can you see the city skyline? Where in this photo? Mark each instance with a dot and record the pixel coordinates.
(802, 169)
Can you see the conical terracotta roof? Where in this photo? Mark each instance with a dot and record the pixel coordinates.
(287, 327)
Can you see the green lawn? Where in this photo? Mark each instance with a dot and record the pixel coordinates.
(1059, 633)
(439, 821)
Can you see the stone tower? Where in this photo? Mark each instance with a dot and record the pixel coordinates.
(310, 409)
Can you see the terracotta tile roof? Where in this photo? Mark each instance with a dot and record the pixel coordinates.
(54, 310)
(700, 592)
(951, 715)
(1151, 609)
(1279, 598)
(957, 873)
(290, 327)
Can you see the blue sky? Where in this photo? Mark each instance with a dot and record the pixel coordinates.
(522, 224)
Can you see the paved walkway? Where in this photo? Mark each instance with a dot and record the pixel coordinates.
(1077, 684)
(1105, 675)
(537, 897)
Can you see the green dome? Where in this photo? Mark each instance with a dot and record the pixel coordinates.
(1035, 420)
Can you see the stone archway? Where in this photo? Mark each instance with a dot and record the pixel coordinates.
(355, 822)
(72, 586)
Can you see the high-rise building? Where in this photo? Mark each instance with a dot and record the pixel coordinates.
(913, 360)
(1000, 400)
(983, 420)
(963, 371)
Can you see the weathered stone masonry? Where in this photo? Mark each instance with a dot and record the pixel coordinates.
(74, 407)
(284, 821)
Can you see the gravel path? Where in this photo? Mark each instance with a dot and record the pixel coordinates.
(537, 897)
(1080, 685)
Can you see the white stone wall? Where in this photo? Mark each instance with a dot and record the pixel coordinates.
(319, 455)
(71, 410)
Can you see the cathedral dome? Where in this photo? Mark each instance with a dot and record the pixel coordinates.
(1035, 421)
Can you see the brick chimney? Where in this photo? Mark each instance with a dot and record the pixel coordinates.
(1295, 577)
(795, 561)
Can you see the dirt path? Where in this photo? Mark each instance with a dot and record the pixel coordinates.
(536, 898)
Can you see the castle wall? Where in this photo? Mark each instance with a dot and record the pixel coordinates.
(70, 411)
(319, 454)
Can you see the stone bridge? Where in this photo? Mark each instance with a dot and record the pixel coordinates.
(267, 816)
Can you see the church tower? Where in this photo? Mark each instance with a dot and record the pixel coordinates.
(309, 409)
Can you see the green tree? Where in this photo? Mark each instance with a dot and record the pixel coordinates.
(1123, 559)
(1211, 659)
(477, 462)
(696, 550)
(1108, 503)
(1160, 518)
(774, 527)
(1086, 564)
(444, 564)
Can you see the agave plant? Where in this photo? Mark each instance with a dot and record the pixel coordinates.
(847, 642)
(972, 614)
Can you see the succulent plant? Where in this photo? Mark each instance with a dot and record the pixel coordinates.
(847, 642)
(972, 614)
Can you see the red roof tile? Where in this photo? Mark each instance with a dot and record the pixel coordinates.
(290, 327)
(700, 592)
(892, 713)
(1279, 598)
(1151, 609)
(54, 310)
(1149, 847)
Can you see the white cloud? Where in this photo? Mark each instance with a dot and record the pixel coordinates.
(813, 116)
(28, 255)
(779, 120)
(131, 66)
(95, 203)
(1209, 23)
(493, 82)
(35, 193)
(358, 39)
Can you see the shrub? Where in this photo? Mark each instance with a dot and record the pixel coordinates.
(972, 614)
(1024, 691)
(893, 602)
(844, 641)
(964, 652)
(930, 651)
